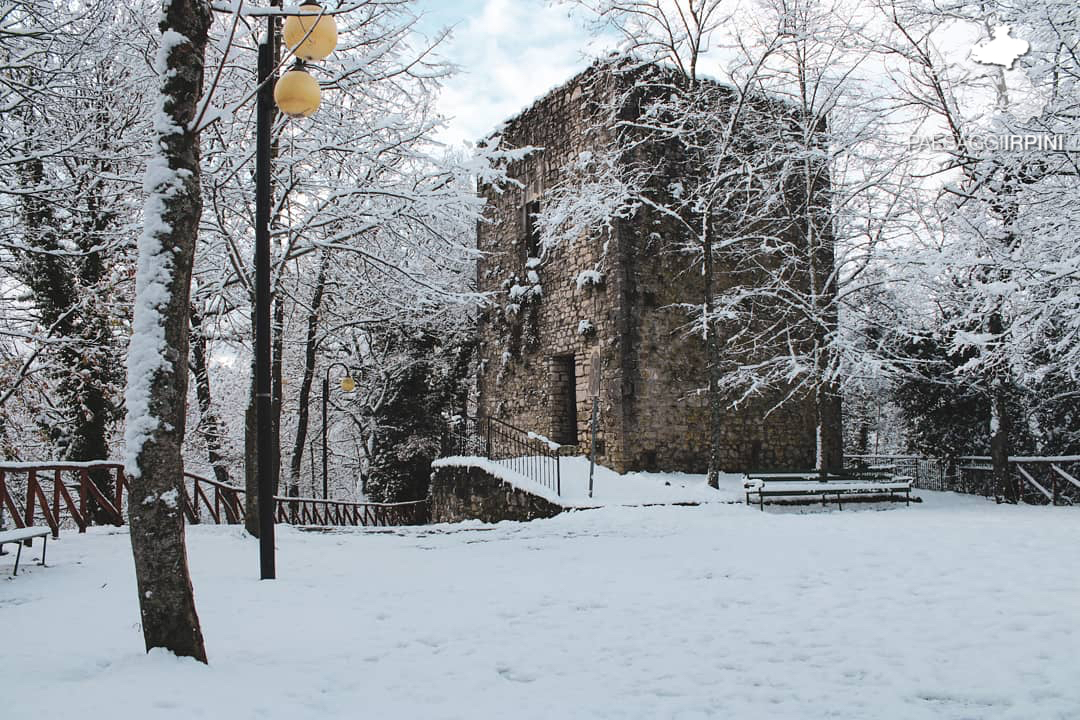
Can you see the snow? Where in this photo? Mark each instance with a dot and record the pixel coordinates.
(170, 498)
(588, 277)
(146, 351)
(61, 464)
(503, 471)
(154, 274)
(525, 292)
(956, 608)
(609, 487)
(551, 444)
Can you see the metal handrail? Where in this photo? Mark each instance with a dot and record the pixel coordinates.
(522, 451)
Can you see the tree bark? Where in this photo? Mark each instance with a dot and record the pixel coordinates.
(82, 433)
(157, 357)
(304, 399)
(1007, 209)
(212, 429)
(251, 480)
(277, 386)
(96, 364)
(999, 424)
(999, 445)
(712, 364)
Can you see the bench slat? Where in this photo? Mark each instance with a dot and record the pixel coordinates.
(20, 534)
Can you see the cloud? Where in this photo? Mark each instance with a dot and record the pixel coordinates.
(510, 52)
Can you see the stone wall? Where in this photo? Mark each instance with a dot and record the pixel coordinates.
(469, 493)
(631, 314)
(541, 313)
(667, 408)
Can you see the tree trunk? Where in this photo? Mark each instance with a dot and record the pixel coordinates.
(251, 479)
(157, 356)
(304, 399)
(96, 363)
(862, 434)
(212, 429)
(999, 444)
(712, 364)
(1004, 487)
(277, 386)
(830, 447)
(1007, 209)
(278, 325)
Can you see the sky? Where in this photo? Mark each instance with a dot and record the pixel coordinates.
(510, 52)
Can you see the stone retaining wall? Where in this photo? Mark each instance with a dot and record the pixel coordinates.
(471, 493)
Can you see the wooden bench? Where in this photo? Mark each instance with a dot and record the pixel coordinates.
(25, 534)
(829, 485)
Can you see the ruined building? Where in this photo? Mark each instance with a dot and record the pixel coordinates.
(615, 297)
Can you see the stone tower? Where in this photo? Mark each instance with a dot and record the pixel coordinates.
(616, 298)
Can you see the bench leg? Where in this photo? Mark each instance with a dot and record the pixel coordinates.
(18, 554)
(839, 505)
(44, 546)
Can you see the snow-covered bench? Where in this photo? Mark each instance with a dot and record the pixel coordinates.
(21, 534)
(829, 486)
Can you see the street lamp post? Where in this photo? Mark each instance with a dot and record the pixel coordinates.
(263, 439)
(311, 36)
(348, 384)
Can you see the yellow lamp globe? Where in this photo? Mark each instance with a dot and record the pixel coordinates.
(348, 384)
(297, 93)
(310, 36)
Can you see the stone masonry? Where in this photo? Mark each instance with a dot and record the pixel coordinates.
(470, 493)
(615, 298)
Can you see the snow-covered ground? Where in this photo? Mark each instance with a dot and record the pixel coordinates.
(609, 487)
(956, 608)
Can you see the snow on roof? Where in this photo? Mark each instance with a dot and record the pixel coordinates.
(631, 64)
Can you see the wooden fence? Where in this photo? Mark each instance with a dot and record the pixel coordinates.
(66, 495)
(1049, 480)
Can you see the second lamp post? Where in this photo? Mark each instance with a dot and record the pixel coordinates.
(348, 384)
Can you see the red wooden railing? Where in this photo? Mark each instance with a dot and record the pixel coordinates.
(45, 481)
(46, 494)
(227, 502)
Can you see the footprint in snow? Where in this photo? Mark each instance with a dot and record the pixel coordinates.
(513, 675)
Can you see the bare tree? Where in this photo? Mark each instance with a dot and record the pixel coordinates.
(806, 273)
(999, 254)
(778, 166)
